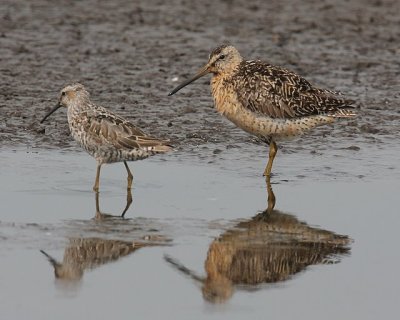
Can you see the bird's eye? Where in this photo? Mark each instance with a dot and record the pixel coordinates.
(221, 57)
(63, 93)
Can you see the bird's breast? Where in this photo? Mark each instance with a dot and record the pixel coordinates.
(224, 95)
(261, 125)
(78, 125)
(226, 103)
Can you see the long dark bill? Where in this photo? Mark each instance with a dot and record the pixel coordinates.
(51, 112)
(199, 74)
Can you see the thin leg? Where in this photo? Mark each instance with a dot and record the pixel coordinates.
(96, 183)
(128, 202)
(271, 196)
(102, 216)
(130, 176)
(273, 149)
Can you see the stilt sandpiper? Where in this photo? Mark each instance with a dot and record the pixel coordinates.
(268, 101)
(104, 135)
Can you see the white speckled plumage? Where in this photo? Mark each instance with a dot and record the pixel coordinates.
(104, 135)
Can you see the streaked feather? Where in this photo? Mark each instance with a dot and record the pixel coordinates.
(279, 93)
(108, 128)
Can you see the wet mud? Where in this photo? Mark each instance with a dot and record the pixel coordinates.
(203, 206)
(130, 54)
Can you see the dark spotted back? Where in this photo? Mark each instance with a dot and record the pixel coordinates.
(279, 93)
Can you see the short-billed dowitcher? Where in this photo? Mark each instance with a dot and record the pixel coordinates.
(104, 135)
(268, 101)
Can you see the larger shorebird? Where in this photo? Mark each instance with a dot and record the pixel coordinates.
(268, 101)
(104, 135)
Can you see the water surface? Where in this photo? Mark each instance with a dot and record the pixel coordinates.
(342, 234)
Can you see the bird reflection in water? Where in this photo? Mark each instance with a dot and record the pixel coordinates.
(89, 253)
(269, 248)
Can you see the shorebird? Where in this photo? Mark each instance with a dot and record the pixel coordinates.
(104, 135)
(268, 101)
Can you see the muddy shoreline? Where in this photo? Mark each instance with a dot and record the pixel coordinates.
(130, 55)
(191, 203)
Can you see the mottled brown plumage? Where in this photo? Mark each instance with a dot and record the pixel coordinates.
(268, 101)
(279, 93)
(104, 135)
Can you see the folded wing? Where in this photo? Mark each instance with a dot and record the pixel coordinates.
(110, 129)
(279, 93)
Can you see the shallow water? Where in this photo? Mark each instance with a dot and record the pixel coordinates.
(193, 235)
(200, 216)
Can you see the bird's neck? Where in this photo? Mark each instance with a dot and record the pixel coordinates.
(222, 93)
(220, 79)
(77, 107)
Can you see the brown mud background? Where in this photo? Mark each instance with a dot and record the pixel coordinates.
(130, 54)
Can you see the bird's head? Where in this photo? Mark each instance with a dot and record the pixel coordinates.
(222, 60)
(70, 95)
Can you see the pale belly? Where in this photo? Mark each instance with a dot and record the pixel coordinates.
(268, 128)
(260, 125)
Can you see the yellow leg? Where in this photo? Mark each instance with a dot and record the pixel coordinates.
(128, 202)
(273, 149)
(130, 176)
(96, 183)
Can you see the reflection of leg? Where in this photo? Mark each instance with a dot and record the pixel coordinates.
(271, 196)
(130, 176)
(97, 203)
(102, 216)
(98, 215)
(96, 183)
(272, 152)
(128, 201)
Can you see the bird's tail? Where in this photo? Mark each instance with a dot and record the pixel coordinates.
(144, 151)
(346, 112)
(161, 148)
(336, 106)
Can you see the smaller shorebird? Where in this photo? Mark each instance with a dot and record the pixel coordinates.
(268, 101)
(104, 135)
